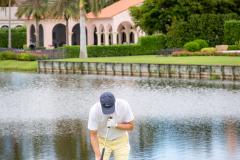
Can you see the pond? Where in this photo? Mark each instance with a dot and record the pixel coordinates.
(45, 116)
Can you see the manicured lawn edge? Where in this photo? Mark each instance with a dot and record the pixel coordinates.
(13, 65)
(193, 60)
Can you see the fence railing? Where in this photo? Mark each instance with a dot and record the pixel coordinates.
(42, 54)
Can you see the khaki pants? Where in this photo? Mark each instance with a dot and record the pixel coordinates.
(120, 147)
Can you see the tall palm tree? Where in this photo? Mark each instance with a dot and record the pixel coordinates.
(35, 8)
(96, 7)
(9, 3)
(66, 9)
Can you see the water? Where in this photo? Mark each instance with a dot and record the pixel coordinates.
(44, 116)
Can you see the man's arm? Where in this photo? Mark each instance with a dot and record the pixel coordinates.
(95, 145)
(126, 126)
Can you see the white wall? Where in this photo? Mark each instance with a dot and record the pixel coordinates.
(4, 16)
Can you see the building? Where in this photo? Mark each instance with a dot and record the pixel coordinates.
(4, 17)
(113, 25)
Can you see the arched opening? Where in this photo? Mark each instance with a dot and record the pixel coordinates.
(124, 32)
(18, 26)
(41, 38)
(110, 37)
(59, 35)
(76, 39)
(102, 39)
(124, 38)
(32, 34)
(4, 27)
(95, 36)
(132, 37)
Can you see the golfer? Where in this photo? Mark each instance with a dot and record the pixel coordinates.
(99, 121)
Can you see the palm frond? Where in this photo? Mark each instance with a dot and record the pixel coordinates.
(35, 8)
(63, 8)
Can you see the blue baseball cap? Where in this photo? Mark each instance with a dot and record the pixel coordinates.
(107, 101)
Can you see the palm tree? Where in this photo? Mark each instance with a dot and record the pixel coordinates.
(9, 3)
(96, 7)
(35, 8)
(66, 9)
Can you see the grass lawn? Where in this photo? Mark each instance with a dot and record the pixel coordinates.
(18, 65)
(200, 60)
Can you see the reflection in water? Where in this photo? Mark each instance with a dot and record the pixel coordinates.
(45, 116)
(232, 137)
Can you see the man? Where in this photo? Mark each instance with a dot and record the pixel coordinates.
(122, 120)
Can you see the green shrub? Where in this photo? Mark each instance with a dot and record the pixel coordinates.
(232, 47)
(231, 31)
(191, 46)
(148, 45)
(199, 26)
(25, 46)
(40, 47)
(211, 49)
(183, 54)
(104, 51)
(8, 55)
(18, 39)
(202, 43)
(5, 55)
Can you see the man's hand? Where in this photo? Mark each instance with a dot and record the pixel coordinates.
(98, 158)
(111, 123)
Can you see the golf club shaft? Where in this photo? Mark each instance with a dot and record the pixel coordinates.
(105, 143)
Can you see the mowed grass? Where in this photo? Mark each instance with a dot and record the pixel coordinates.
(208, 60)
(18, 65)
(198, 60)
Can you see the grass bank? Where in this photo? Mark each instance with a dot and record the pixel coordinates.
(18, 65)
(200, 60)
(208, 60)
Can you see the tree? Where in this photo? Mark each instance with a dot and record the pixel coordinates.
(153, 15)
(66, 9)
(35, 8)
(9, 3)
(96, 7)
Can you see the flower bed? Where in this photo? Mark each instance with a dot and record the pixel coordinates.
(184, 53)
(27, 56)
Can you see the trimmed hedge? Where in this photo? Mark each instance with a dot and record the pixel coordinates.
(18, 39)
(209, 27)
(40, 47)
(184, 54)
(232, 47)
(231, 31)
(202, 43)
(147, 46)
(192, 46)
(211, 49)
(105, 51)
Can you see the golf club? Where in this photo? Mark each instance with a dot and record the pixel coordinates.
(105, 142)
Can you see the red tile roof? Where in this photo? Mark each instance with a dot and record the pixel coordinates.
(115, 8)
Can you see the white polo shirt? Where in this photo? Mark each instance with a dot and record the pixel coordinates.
(98, 120)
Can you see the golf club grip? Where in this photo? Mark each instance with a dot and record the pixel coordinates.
(102, 153)
(110, 118)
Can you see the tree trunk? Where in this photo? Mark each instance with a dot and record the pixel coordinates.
(37, 32)
(83, 47)
(9, 26)
(67, 37)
